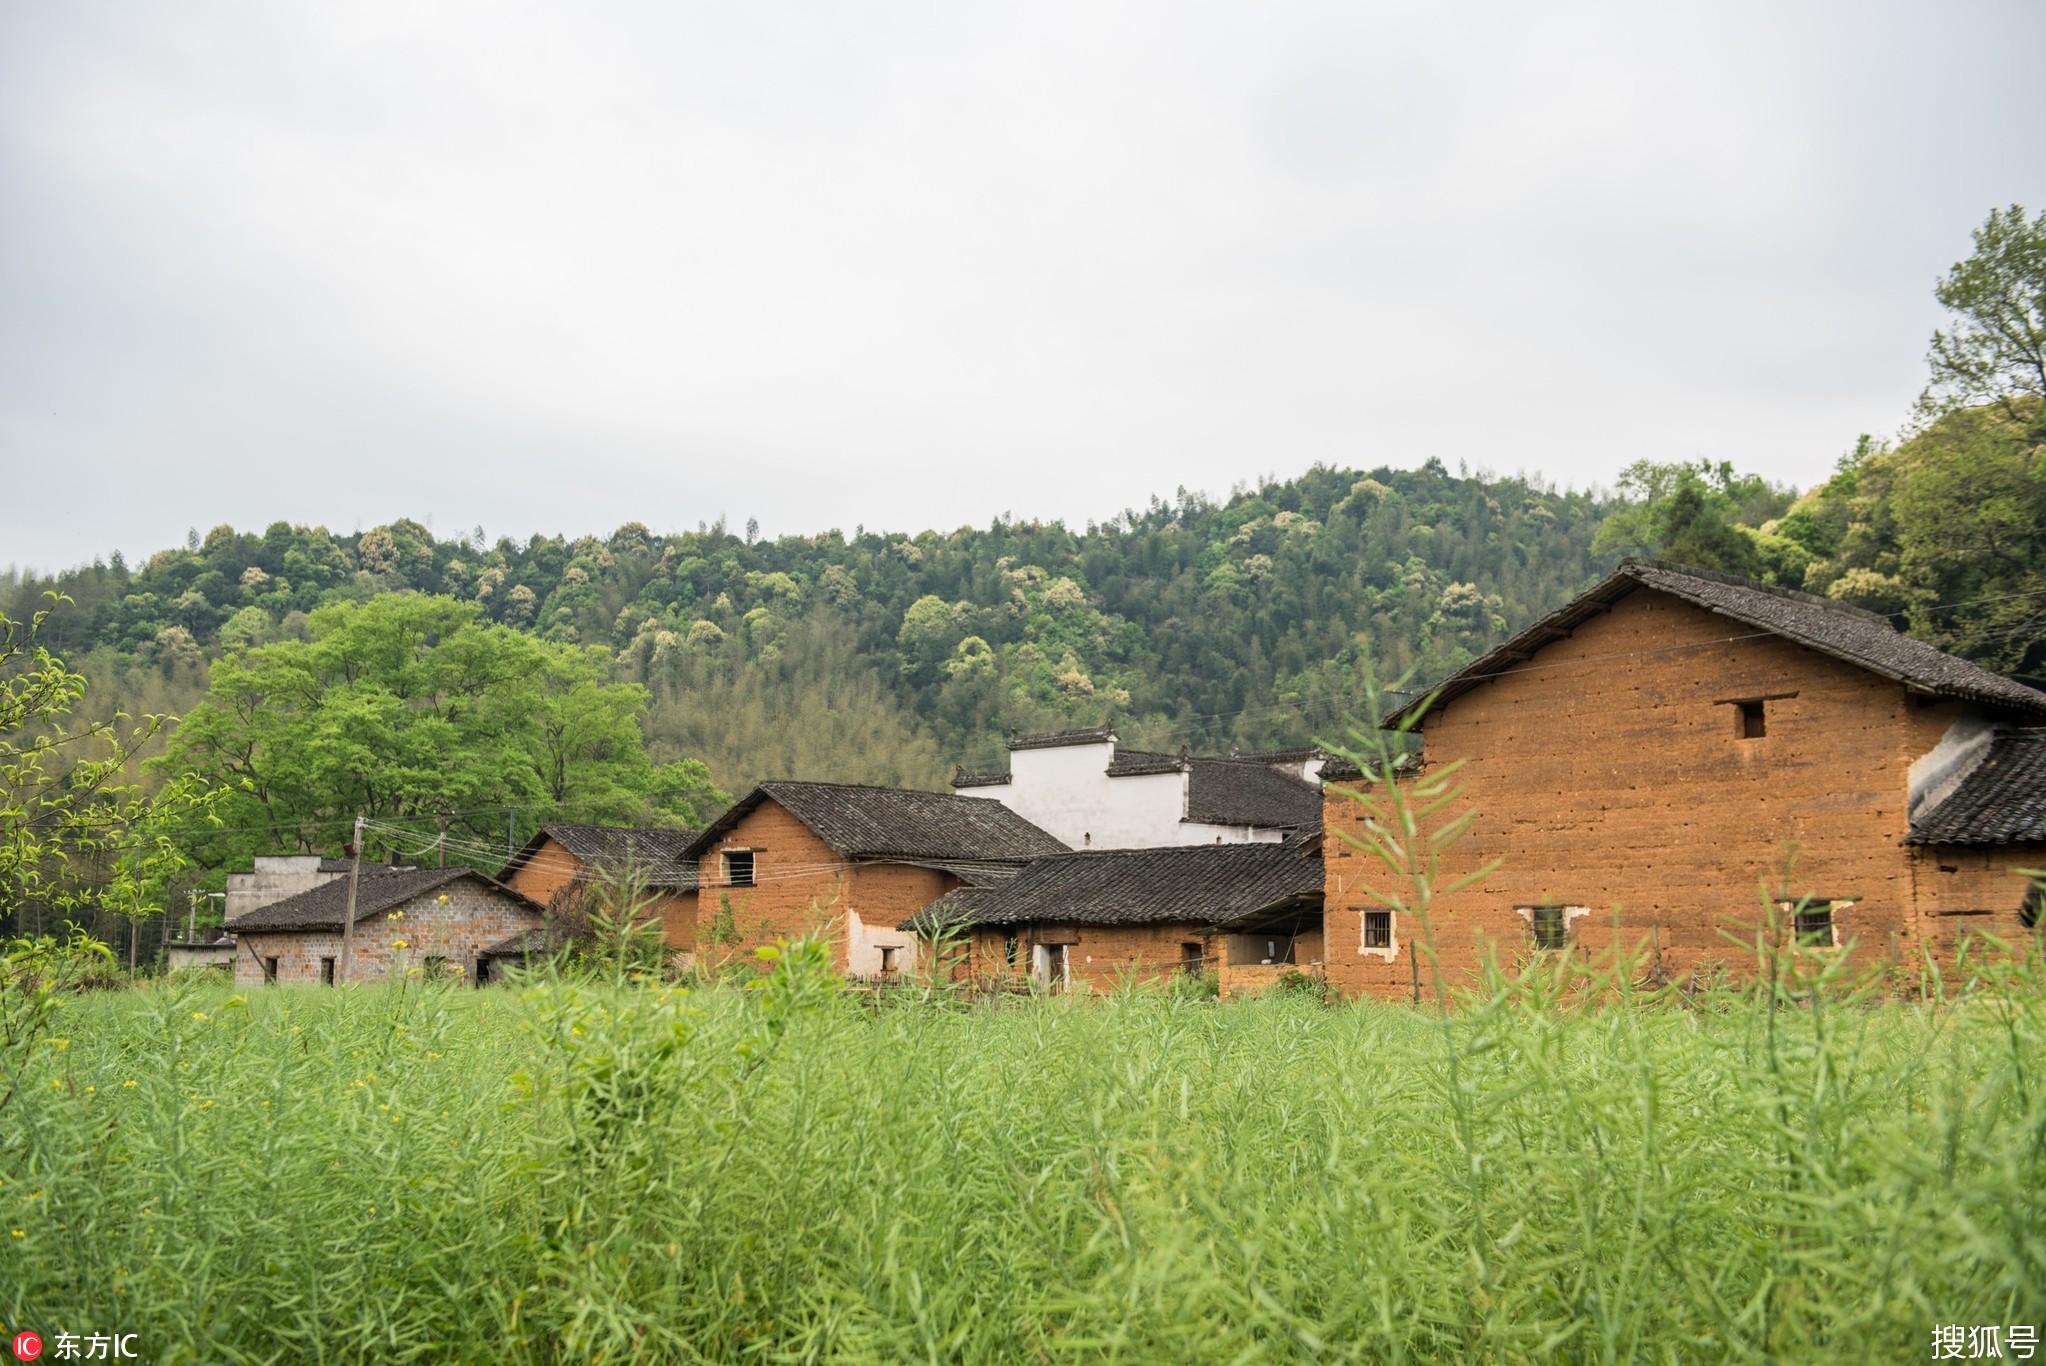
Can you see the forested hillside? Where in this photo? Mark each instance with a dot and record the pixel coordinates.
(890, 657)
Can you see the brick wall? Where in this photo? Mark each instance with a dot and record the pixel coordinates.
(1609, 776)
(473, 916)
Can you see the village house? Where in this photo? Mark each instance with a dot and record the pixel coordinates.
(271, 878)
(562, 861)
(1661, 756)
(1094, 919)
(1082, 787)
(792, 858)
(441, 921)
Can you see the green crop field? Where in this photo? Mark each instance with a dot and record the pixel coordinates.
(566, 1172)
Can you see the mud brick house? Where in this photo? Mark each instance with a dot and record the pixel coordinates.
(448, 918)
(791, 857)
(1082, 787)
(1672, 747)
(1092, 919)
(562, 860)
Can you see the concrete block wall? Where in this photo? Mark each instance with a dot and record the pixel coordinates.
(473, 916)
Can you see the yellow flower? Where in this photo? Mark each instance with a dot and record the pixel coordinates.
(128, 1085)
(397, 943)
(199, 1015)
(90, 1089)
(443, 898)
(19, 1234)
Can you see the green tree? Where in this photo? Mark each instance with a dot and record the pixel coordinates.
(1704, 515)
(1995, 348)
(410, 708)
(77, 833)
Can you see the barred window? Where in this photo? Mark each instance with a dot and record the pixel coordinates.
(1813, 920)
(1551, 927)
(1378, 929)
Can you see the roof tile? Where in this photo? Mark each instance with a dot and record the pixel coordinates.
(2001, 801)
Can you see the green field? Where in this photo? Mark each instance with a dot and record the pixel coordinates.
(577, 1173)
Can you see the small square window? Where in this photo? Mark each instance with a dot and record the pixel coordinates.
(327, 972)
(269, 969)
(2032, 905)
(1551, 927)
(1750, 721)
(738, 867)
(888, 953)
(1378, 929)
(1812, 920)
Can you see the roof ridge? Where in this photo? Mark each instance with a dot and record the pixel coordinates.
(1847, 609)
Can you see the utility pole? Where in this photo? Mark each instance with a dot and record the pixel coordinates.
(192, 918)
(348, 918)
(511, 833)
(443, 841)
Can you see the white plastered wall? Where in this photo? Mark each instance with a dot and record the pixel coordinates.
(864, 942)
(1066, 792)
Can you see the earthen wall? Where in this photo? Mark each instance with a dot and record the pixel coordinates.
(1609, 774)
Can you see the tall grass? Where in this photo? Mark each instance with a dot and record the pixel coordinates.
(619, 1173)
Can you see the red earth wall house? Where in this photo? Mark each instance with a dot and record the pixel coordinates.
(791, 859)
(563, 857)
(1653, 760)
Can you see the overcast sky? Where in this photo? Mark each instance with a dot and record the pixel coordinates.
(556, 267)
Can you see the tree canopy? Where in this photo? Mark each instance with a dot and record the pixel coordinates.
(78, 834)
(1994, 350)
(409, 708)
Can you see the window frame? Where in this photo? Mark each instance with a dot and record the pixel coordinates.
(752, 857)
(1377, 918)
(1804, 937)
(1566, 915)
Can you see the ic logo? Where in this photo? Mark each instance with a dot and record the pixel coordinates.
(27, 1346)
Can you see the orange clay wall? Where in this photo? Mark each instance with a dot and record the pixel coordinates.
(552, 868)
(1608, 773)
(801, 886)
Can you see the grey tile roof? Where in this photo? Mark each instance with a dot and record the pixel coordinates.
(968, 778)
(887, 822)
(2001, 801)
(1057, 738)
(520, 945)
(660, 854)
(1300, 754)
(1200, 884)
(1134, 763)
(1341, 769)
(381, 890)
(1242, 792)
(1832, 628)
